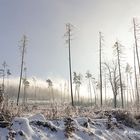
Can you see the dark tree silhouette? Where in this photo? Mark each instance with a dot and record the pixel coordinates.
(77, 81)
(136, 37)
(136, 82)
(68, 34)
(89, 77)
(118, 51)
(50, 87)
(23, 47)
(100, 64)
(26, 85)
(114, 80)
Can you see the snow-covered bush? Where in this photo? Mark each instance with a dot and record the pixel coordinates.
(45, 124)
(11, 134)
(125, 118)
(137, 117)
(69, 127)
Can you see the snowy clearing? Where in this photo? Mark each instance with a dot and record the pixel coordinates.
(37, 127)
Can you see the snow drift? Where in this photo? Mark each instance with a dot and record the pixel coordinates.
(81, 128)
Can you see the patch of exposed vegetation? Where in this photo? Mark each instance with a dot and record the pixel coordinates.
(45, 124)
(69, 127)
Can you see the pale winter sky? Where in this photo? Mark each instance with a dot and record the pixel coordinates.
(43, 21)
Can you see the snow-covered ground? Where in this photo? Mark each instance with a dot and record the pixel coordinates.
(37, 127)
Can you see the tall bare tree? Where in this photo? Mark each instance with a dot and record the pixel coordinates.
(136, 37)
(100, 64)
(105, 86)
(130, 91)
(4, 69)
(26, 85)
(118, 51)
(94, 85)
(114, 80)
(131, 83)
(23, 47)
(136, 28)
(68, 34)
(77, 81)
(35, 88)
(8, 74)
(89, 77)
(1, 90)
(136, 81)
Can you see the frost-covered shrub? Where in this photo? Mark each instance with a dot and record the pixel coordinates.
(1, 99)
(69, 127)
(45, 124)
(100, 114)
(68, 111)
(137, 117)
(125, 118)
(11, 135)
(7, 115)
(54, 113)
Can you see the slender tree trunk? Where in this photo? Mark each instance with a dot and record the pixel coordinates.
(105, 88)
(90, 92)
(127, 91)
(95, 98)
(124, 97)
(130, 78)
(78, 93)
(3, 84)
(136, 83)
(100, 64)
(136, 45)
(69, 45)
(120, 77)
(115, 100)
(7, 96)
(75, 92)
(115, 90)
(131, 96)
(22, 62)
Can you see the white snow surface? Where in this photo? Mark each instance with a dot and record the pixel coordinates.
(95, 130)
(37, 117)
